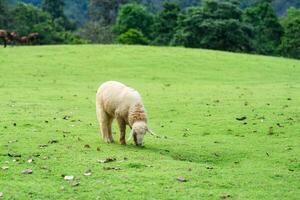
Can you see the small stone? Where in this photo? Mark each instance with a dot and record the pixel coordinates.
(43, 145)
(27, 171)
(181, 179)
(5, 167)
(1, 194)
(107, 160)
(88, 173)
(75, 183)
(111, 168)
(45, 158)
(69, 178)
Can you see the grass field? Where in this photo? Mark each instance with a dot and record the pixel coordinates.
(192, 96)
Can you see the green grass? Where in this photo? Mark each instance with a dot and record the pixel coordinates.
(192, 96)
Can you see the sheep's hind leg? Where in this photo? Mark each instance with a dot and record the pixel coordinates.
(103, 119)
(122, 127)
(110, 138)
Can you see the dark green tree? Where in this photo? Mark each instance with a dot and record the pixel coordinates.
(105, 11)
(3, 14)
(166, 23)
(290, 45)
(54, 7)
(134, 16)
(27, 18)
(267, 29)
(97, 32)
(216, 25)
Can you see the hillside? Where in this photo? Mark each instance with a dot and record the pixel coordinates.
(232, 124)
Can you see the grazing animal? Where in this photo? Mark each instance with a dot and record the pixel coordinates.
(12, 37)
(8, 37)
(116, 100)
(23, 40)
(33, 36)
(3, 36)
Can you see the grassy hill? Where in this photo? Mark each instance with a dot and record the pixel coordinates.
(193, 97)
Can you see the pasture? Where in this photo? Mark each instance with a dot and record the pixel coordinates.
(232, 124)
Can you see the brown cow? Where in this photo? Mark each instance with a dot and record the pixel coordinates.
(3, 36)
(24, 40)
(33, 36)
(12, 37)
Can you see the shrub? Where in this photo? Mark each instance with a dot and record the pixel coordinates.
(133, 36)
(134, 16)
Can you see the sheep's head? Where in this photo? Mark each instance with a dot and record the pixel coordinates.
(138, 132)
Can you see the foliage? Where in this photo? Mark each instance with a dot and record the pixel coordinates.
(71, 38)
(77, 10)
(290, 45)
(216, 25)
(105, 11)
(54, 7)
(27, 18)
(166, 23)
(97, 32)
(132, 36)
(134, 16)
(242, 26)
(267, 28)
(3, 14)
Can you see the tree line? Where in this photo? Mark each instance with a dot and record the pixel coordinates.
(214, 24)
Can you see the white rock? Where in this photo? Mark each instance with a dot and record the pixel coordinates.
(69, 178)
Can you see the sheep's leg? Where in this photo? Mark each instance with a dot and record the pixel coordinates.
(122, 127)
(110, 138)
(103, 120)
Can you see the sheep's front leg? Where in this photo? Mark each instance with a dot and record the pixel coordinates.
(122, 127)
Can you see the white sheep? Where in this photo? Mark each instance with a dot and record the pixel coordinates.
(116, 100)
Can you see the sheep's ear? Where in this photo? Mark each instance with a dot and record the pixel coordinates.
(152, 133)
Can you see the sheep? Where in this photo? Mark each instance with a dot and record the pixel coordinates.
(116, 100)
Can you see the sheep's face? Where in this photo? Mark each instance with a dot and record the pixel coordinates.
(139, 130)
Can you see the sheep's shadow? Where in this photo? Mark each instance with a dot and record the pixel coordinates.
(186, 155)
